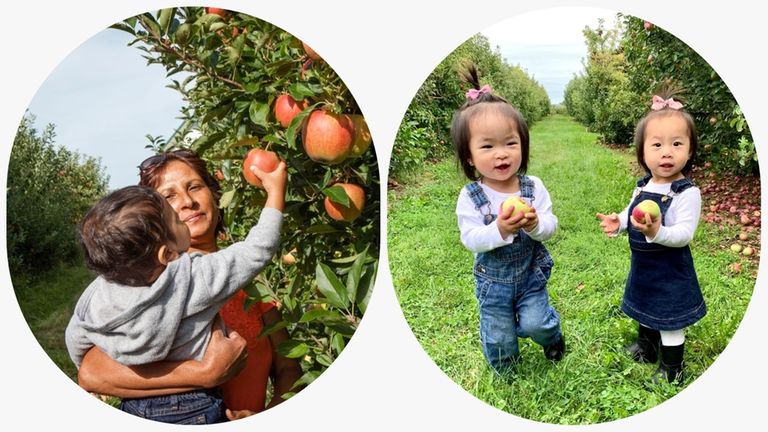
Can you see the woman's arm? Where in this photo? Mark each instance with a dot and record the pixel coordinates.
(223, 359)
(284, 371)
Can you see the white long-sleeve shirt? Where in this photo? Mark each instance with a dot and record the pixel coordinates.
(478, 237)
(680, 220)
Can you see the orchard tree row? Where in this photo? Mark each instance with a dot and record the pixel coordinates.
(628, 63)
(424, 133)
(253, 90)
(49, 190)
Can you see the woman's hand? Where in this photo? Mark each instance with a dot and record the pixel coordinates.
(610, 224)
(238, 414)
(274, 183)
(224, 357)
(648, 226)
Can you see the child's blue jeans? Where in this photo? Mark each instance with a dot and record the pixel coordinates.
(513, 310)
(196, 407)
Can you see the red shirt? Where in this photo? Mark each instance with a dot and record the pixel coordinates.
(248, 390)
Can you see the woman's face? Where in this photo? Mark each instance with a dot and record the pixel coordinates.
(188, 194)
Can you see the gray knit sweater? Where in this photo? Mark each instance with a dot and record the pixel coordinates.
(172, 318)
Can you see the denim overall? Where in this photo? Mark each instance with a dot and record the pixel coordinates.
(511, 290)
(662, 291)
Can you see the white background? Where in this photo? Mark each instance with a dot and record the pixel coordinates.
(383, 50)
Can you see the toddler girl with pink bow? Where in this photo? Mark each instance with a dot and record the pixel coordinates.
(662, 292)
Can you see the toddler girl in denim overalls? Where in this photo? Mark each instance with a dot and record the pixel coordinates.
(662, 292)
(512, 266)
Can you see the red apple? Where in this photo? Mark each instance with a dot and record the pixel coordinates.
(648, 25)
(518, 205)
(286, 108)
(349, 213)
(265, 160)
(748, 251)
(310, 52)
(217, 11)
(327, 137)
(219, 175)
(646, 207)
(362, 138)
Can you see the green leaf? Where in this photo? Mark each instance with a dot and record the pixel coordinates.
(337, 343)
(295, 126)
(330, 286)
(306, 379)
(365, 287)
(353, 277)
(165, 18)
(258, 112)
(300, 91)
(337, 194)
(124, 27)
(324, 359)
(226, 199)
(183, 33)
(320, 229)
(271, 328)
(320, 315)
(217, 26)
(292, 349)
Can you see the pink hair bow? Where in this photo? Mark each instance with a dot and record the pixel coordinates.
(659, 103)
(475, 93)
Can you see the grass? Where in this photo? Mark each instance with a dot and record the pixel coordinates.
(596, 382)
(47, 302)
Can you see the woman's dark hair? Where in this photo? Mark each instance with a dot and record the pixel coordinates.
(153, 167)
(666, 91)
(484, 99)
(122, 233)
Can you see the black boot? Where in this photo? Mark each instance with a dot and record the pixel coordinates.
(671, 365)
(556, 350)
(645, 349)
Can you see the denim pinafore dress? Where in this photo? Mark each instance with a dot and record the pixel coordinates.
(662, 291)
(511, 289)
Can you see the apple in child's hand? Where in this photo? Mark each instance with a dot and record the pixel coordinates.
(518, 205)
(646, 207)
(265, 160)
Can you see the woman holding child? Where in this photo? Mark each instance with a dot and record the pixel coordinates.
(183, 179)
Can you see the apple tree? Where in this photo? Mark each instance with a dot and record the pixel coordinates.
(231, 69)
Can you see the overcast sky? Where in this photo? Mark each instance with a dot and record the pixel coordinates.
(104, 99)
(549, 43)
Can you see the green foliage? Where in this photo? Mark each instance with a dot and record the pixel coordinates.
(233, 70)
(424, 133)
(49, 190)
(596, 381)
(627, 65)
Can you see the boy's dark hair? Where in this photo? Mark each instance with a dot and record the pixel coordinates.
(471, 107)
(122, 233)
(666, 92)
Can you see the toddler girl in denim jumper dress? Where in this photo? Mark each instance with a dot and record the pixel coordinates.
(512, 266)
(662, 292)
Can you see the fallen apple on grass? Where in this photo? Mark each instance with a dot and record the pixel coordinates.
(646, 207)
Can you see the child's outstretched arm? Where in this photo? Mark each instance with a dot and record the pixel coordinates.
(274, 183)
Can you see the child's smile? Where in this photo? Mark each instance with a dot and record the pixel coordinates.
(495, 149)
(667, 147)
